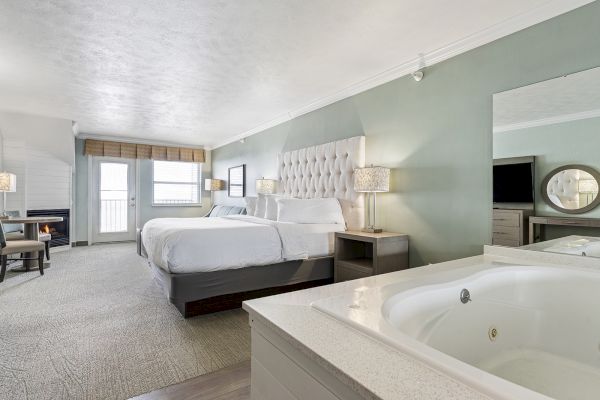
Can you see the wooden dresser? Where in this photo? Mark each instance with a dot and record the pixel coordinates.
(510, 227)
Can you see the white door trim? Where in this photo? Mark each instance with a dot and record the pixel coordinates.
(90, 237)
(93, 196)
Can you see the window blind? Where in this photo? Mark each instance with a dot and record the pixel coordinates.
(95, 147)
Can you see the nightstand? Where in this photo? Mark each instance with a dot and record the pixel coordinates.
(362, 254)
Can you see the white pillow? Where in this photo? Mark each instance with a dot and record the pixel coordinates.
(261, 206)
(325, 210)
(250, 205)
(271, 209)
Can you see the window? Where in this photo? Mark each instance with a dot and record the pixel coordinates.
(176, 183)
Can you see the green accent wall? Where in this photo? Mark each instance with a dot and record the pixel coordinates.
(436, 134)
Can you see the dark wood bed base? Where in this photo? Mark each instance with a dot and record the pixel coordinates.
(234, 300)
(321, 272)
(316, 271)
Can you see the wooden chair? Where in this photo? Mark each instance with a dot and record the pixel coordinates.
(16, 232)
(19, 247)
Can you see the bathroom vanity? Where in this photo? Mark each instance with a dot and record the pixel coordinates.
(371, 339)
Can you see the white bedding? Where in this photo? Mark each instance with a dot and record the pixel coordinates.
(184, 245)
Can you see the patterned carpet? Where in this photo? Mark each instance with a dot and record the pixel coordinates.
(96, 326)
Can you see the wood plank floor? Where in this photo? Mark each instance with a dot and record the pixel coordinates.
(231, 383)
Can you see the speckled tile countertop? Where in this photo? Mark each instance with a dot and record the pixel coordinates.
(370, 367)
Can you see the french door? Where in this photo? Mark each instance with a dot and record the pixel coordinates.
(113, 199)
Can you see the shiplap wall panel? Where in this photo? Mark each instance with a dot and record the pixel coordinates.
(48, 181)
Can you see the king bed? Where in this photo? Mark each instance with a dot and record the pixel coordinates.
(213, 264)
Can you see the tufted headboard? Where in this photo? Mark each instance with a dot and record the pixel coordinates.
(326, 170)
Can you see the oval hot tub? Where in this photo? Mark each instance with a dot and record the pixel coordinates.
(492, 326)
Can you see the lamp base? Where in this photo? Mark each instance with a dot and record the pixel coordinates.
(372, 230)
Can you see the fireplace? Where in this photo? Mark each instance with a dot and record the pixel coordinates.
(58, 230)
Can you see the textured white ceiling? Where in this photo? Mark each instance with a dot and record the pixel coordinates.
(202, 72)
(567, 98)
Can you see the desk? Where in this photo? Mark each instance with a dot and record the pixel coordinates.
(31, 231)
(559, 221)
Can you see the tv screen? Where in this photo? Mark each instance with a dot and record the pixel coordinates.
(513, 183)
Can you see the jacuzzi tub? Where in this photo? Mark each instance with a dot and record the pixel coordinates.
(526, 333)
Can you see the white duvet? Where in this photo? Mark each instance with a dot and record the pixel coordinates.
(184, 245)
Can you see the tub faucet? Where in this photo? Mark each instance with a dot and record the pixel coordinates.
(465, 296)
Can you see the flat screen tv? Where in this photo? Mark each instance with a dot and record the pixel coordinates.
(513, 182)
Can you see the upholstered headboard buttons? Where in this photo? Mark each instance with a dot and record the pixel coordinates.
(326, 171)
(566, 188)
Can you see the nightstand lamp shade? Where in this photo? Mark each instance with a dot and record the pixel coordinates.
(372, 180)
(214, 184)
(265, 186)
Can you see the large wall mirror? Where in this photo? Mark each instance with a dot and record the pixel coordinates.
(546, 141)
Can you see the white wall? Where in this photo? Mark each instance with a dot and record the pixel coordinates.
(53, 135)
(41, 152)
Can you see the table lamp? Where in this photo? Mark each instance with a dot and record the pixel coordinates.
(212, 185)
(8, 184)
(372, 180)
(265, 186)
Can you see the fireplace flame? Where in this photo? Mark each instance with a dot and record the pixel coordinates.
(45, 229)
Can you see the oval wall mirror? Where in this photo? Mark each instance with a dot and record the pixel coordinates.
(572, 189)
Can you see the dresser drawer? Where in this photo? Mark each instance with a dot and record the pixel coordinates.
(507, 232)
(505, 242)
(506, 218)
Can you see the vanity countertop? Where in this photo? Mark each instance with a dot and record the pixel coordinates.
(371, 368)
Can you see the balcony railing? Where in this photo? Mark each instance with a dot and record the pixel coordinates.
(113, 216)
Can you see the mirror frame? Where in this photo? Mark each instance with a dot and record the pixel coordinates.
(585, 168)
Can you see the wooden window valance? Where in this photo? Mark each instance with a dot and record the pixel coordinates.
(143, 151)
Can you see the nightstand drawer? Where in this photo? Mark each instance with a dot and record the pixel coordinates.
(346, 271)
